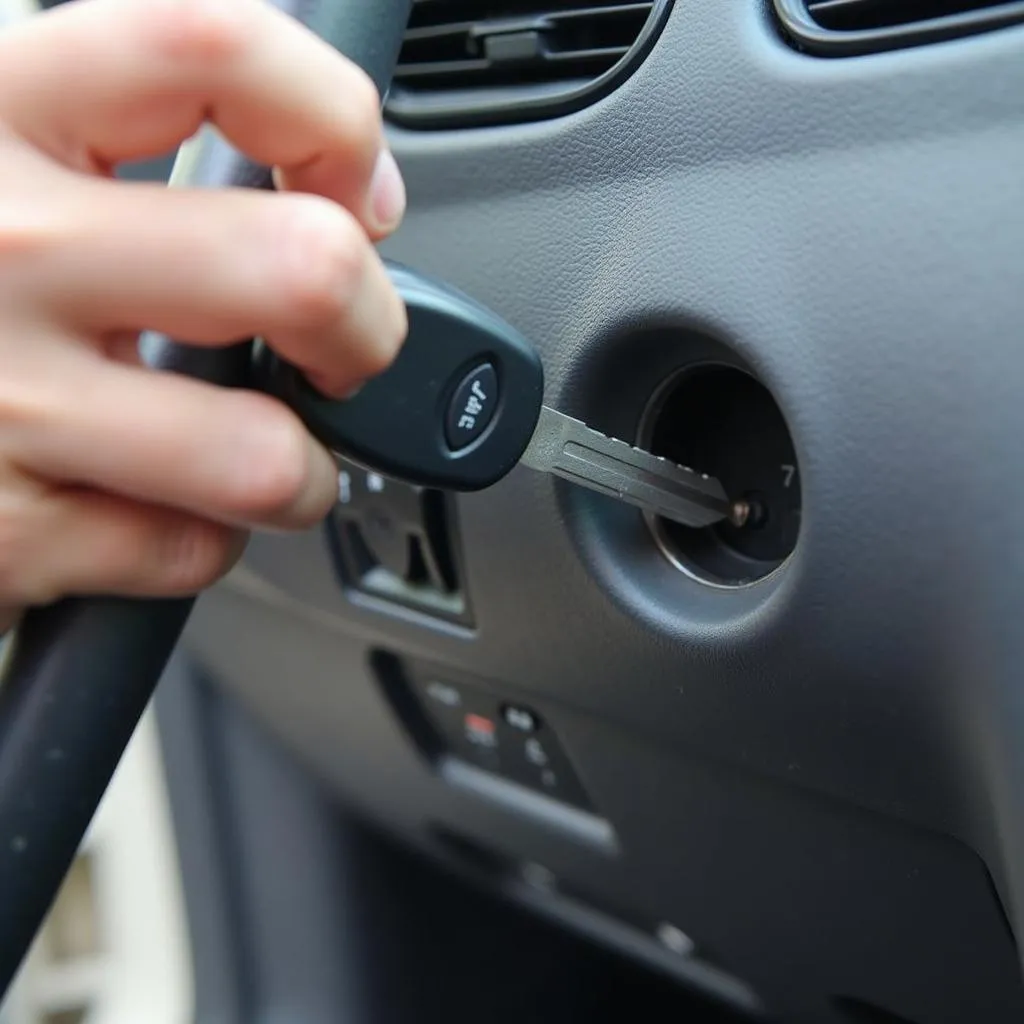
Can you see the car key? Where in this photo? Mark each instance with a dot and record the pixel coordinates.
(461, 406)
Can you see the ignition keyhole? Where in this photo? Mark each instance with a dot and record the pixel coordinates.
(720, 420)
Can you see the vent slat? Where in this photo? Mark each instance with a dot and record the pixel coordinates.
(466, 29)
(446, 68)
(536, 23)
(905, 10)
(838, 27)
(440, 68)
(611, 53)
(854, 15)
(510, 42)
(602, 12)
(441, 12)
(499, 56)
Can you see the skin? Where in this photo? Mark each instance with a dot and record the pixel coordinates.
(115, 478)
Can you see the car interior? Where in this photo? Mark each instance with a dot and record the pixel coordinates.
(534, 754)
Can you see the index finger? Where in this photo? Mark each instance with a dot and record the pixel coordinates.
(98, 82)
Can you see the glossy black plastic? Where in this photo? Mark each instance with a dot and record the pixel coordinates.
(396, 423)
(471, 407)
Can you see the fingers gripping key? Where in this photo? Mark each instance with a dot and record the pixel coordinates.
(461, 406)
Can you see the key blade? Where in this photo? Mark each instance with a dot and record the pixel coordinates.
(570, 449)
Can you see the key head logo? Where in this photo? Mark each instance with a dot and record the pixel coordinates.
(472, 407)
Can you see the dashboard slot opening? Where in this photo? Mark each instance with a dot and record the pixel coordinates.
(720, 420)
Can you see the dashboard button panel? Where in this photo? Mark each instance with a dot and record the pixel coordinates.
(450, 717)
(507, 739)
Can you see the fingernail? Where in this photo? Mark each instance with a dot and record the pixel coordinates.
(387, 192)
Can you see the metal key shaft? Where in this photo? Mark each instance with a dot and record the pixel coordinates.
(570, 449)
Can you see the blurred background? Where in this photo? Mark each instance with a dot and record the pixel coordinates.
(115, 949)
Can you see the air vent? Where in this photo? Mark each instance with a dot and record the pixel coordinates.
(491, 61)
(844, 27)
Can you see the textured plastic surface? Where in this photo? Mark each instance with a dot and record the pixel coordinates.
(396, 422)
(810, 775)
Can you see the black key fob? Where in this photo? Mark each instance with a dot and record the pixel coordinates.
(455, 410)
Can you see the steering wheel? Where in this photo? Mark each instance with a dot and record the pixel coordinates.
(79, 674)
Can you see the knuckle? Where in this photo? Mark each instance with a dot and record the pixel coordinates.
(328, 265)
(207, 32)
(25, 403)
(18, 240)
(26, 234)
(35, 226)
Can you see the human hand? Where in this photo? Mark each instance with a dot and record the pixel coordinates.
(115, 478)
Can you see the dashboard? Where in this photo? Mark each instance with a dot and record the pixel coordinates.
(784, 244)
